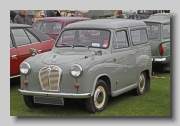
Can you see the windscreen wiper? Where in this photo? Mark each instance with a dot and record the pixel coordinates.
(65, 44)
(80, 45)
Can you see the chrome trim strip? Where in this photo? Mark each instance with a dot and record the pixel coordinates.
(54, 95)
(15, 76)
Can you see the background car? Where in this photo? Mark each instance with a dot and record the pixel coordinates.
(53, 25)
(160, 16)
(159, 39)
(22, 38)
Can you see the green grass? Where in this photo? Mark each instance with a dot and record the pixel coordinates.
(156, 102)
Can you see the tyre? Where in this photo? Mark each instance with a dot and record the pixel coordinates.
(141, 85)
(29, 101)
(99, 100)
(166, 67)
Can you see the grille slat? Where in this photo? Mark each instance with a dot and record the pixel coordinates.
(50, 77)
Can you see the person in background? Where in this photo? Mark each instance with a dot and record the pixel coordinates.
(45, 13)
(12, 15)
(119, 14)
(21, 18)
(134, 16)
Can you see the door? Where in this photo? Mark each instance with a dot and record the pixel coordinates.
(141, 48)
(14, 63)
(124, 60)
(24, 40)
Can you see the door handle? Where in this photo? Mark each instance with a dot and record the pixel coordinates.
(39, 51)
(14, 56)
(114, 59)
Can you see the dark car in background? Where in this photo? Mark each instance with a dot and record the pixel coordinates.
(53, 25)
(144, 14)
(22, 38)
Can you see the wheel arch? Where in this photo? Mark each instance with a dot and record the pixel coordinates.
(148, 76)
(106, 79)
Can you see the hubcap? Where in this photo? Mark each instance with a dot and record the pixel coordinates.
(99, 97)
(141, 82)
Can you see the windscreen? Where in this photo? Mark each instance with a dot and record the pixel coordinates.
(90, 38)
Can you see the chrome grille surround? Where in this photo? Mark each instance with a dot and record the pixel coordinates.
(50, 78)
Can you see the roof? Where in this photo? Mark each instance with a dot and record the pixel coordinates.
(106, 23)
(13, 25)
(161, 21)
(62, 19)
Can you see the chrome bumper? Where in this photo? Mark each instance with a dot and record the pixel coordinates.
(158, 59)
(54, 95)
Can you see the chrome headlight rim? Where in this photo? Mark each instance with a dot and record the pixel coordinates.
(76, 66)
(28, 66)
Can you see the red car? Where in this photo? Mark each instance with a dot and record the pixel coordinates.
(22, 38)
(53, 25)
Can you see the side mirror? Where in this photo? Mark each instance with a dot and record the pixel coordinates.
(98, 53)
(32, 51)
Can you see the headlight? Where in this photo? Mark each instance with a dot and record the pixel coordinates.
(25, 68)
(76, 70)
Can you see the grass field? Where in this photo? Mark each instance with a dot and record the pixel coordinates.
(156, 102)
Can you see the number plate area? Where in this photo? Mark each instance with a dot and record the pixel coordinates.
(48, 100)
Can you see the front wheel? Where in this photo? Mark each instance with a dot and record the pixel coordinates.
(99, 100)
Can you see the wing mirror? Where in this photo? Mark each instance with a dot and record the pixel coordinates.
(98, 53)
(32, 51)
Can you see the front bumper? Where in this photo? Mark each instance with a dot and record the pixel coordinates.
(54, 95)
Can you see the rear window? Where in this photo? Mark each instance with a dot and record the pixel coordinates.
(153, 31)
(48, 27)
(139, 36)
(166, 31)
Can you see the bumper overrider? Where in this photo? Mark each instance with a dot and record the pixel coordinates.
(54, 95)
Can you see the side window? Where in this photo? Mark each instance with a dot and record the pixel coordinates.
(139, 36)
(121, 40)
(31, 37)
(11, 45)
(153, 31)
(20, 37)
(166, 31)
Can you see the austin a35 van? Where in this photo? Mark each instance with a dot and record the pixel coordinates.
(91, 60)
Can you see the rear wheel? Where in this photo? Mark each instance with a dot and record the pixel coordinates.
(29, 101)
(141, 84)
(99, 100)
